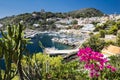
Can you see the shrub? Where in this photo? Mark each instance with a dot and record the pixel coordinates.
(41, 66)
(95, 43)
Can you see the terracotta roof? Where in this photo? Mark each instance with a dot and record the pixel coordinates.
(111, 50)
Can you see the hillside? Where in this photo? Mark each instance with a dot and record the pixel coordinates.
(86, 12)
(41, 18)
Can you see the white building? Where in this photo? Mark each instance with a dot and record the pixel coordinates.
(88, 27)
(1, 25)
(110, 37)
(36, 25)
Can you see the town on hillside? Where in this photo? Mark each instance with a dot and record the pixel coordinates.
(72, 28)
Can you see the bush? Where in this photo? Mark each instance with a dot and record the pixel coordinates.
(102, 33)
(74, 22)
(95, 43)
(113, 29)
(42, 66)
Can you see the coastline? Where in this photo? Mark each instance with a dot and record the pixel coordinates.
(69, 38)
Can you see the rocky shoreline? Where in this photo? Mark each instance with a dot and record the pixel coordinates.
(60, 37)
(65, 41)
(32, 33)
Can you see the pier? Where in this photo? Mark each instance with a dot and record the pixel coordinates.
(60, 52)
(64, 53)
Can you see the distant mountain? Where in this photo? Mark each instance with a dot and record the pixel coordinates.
(41, 17)
(86, 12)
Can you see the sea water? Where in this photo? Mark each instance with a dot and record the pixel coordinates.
(46, 41)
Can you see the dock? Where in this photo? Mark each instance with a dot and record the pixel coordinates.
(64, 53)
(54, 52)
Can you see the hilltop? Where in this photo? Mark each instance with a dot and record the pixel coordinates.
(86, 12)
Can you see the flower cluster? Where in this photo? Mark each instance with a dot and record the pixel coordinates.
(94, 61)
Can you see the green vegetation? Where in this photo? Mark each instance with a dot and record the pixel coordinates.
(43, 67)
(114, 60)
(13, 45)
(46, 20)
(87, 12)
(74, 22)
(110, 27)
(95, 43)
(29, 19)
(118, 39)
(113, 29)
(102, 33)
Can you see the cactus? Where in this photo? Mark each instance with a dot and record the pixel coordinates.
(12, 47)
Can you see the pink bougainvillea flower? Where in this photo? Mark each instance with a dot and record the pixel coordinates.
(108, 66)
(94, 61)
(113, 69)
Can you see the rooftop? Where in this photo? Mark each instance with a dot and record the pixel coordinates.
(111, 50)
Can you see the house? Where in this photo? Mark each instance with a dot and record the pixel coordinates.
(111, 50)
(110, 38)
(1, 25)
(36, 25)
(88, 27)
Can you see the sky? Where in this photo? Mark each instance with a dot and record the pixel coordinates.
(15, 7)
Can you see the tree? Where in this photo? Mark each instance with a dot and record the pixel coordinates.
(102, 33)
(118, 24)
(95, 43)
(113, 29)
(97, 28)
(118, 39)
(44, 67)
(74, 22)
